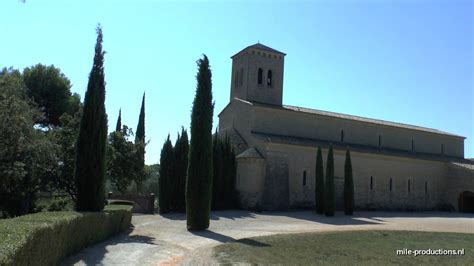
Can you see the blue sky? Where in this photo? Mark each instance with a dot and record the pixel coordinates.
(403, 61)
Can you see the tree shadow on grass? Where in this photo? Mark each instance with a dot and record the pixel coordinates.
(227, 239)
(93, 255)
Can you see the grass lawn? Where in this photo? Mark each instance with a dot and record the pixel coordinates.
(347, 248)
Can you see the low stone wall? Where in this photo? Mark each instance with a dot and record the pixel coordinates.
(142, 204)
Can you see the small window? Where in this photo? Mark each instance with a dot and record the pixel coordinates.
(304, 178)
(409, 186)
(390, 184)
(260, 74)
(412, 145)
(342, 135)
(380, 140)
(371, 183)
(442, 148)
(426, 187)
(241, 77)
(269, 78)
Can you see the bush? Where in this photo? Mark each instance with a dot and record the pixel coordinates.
(46, 238)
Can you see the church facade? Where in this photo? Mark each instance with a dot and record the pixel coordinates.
(395, 166)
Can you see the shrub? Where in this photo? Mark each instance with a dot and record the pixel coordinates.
(329, 193)
(46, 238)
(348, 186)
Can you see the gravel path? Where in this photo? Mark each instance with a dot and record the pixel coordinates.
(164, 240)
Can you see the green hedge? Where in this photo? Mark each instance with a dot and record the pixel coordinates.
(47, 237)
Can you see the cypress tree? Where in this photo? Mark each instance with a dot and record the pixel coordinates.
(329, 193)
(140, 133)
(165, 182)
(228, 173)
(140, 142)
(319, 190)
(217, 182)
(118, 127)
(348, 186)
(90, 152)
(200, 170)
(181, 150)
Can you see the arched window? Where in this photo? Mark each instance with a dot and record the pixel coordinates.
(241, 77)
(269, 78)
(304, 178)
(442, 148)
(412, 145)
(380, 140)
(390, 184)
(342, 135)
(260, 76)
(371, 183)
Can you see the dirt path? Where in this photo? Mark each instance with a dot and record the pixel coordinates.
(164, 240)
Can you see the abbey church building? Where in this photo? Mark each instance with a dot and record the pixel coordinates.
(395, 166)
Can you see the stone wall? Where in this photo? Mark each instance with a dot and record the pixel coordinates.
(380, 168)
(459, 178)
(250, 181)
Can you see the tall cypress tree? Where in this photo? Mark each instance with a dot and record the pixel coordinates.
(329, 193)
(348, 186)
(181, 150)
(217, 182)
(140, 132)
(140, 142)
(228, 173)
(91, 142)
(165, 182)
(199, 180)
(319, 189)
(118, 127)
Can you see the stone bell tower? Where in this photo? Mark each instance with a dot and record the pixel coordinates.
(257, 75)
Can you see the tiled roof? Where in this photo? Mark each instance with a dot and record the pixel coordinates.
(356, 118)
(262, 47)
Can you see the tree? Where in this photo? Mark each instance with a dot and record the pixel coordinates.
(348, 186)
(140, 132)
(229, 171)
(91, 142)
(51, 91)
(181, 150)
(27, 156)
(121, 159)
(66, 137)
(319, 190)
(165, 184)
(118, 127)
(199, 179)
(329, 193)
(218, 174)
(140, 141)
